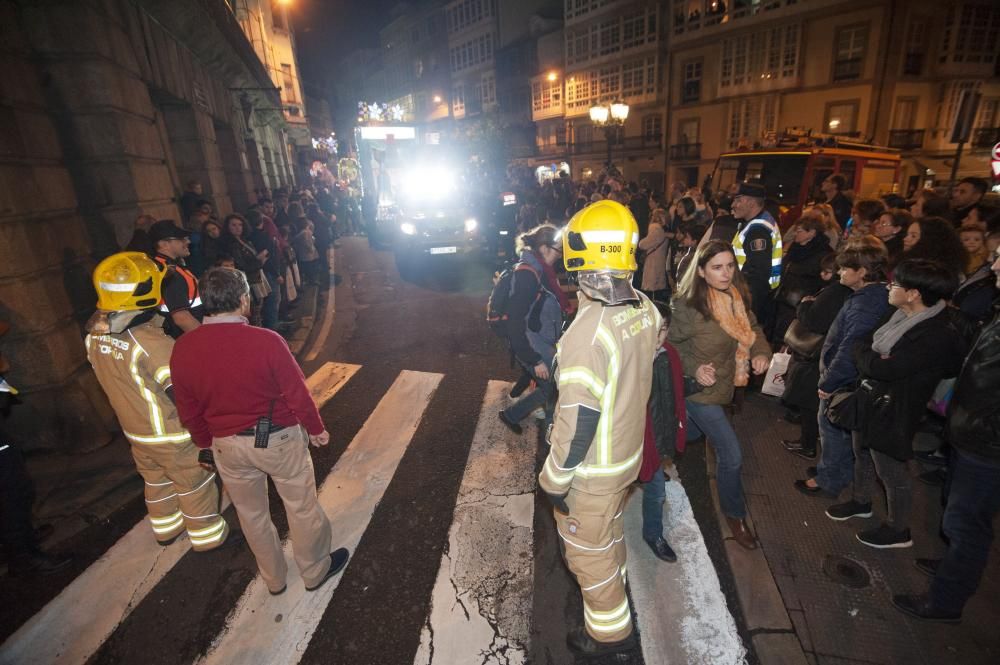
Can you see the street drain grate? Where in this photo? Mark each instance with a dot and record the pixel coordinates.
(846, 572)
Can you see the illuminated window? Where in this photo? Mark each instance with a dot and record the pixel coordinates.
(849, 56)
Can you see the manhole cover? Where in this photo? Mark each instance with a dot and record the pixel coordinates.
(846, 572)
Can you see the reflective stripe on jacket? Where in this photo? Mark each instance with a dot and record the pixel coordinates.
(774, 279)
(133, 368)
(605, 370)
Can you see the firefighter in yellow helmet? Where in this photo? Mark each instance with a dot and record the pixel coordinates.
(604, 374)
(130, 355)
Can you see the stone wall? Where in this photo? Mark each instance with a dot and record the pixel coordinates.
(104, 114)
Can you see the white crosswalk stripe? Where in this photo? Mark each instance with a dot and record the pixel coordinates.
(273, 630)
(481, 607)
(117, 582)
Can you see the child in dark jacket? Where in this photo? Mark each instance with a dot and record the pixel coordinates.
(665, 436)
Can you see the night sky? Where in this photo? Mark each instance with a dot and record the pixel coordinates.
(326, 30)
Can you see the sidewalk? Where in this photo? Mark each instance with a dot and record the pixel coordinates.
(74, 492)
(845, 616)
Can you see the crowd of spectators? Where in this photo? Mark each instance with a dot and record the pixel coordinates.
(879, 303)
(280, 243)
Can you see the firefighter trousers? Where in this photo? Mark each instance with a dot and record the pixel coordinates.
(180, 494)
(286, 460)
(594, 548)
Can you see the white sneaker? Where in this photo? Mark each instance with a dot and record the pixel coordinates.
(538, 414)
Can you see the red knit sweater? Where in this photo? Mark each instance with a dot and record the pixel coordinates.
(225, 376)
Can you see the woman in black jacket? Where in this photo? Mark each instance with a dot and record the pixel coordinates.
(800, 270)
(236, 244)
(908, 355)
(815, 315)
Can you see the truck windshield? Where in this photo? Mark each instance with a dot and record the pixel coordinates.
(781, 174)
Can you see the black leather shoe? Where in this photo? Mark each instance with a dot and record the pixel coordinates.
(795, 447)
(338, 559)
(933, 457)
(927, 566)
(581, 642)
(662, 550)
(801, 486)
(919, 607)
(793, 417)
(933, 478)
(38, 563)
(511, 425)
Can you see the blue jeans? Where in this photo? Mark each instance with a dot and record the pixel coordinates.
(710, 420)
(653, 494)
(973, 502)
(539, 397)
(835, 470)
(269, 308)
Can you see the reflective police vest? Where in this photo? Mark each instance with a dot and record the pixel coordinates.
(775, 277)
(194, 300)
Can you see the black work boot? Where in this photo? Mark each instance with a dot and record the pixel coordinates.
(580, 641)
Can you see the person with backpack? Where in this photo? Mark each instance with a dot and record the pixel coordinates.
(534, 318)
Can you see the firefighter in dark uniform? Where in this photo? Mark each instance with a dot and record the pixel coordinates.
(181, 306)
(757, 246)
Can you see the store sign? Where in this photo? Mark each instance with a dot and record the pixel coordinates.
(382, 133)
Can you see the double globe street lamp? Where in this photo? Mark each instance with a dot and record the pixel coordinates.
(611, 119)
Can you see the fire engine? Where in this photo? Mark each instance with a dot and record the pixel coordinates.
(792, 166)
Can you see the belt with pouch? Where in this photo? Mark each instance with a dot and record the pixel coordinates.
(252, 431)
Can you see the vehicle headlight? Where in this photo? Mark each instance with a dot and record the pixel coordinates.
(471, 224)
(408, 228)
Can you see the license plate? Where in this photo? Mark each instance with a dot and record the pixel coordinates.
(443, 250)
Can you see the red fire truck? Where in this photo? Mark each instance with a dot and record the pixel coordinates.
(793, 166)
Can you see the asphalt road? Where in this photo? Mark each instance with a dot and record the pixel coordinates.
(434, 325)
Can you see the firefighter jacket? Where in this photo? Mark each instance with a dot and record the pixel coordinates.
(133, 367)
(605, 370)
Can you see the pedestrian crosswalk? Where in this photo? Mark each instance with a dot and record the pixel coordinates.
(481, 607)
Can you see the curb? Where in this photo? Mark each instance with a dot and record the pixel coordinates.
(773, 634)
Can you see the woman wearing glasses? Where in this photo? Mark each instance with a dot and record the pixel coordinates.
(901, 363)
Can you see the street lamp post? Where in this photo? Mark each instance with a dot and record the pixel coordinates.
(611, 119)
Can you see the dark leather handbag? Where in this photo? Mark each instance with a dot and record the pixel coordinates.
(843, 409)
(803, 342)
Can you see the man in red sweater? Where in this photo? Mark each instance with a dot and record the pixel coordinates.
(241, 394)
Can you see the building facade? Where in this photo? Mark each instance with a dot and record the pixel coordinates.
(613, 50)
(109, 108)
(889, 72)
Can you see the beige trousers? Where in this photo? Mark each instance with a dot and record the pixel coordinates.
(180, 494)
(594, 548)
(244, 470)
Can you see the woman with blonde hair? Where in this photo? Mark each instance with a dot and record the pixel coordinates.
(720, 344)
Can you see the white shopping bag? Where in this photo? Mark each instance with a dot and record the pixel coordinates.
(774, 381)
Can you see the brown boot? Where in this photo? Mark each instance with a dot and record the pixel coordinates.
(741, 533)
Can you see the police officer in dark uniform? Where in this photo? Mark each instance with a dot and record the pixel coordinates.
(757, 245)
(181, 305)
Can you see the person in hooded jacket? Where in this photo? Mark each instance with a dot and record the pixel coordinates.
(862, 267)
(535, 317)
(900, 365)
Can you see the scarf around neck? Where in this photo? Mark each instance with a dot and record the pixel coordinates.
(552, 283)
(730, 313)
(899, 324)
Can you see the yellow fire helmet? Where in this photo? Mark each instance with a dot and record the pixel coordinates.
(127, 281)
(601, 237)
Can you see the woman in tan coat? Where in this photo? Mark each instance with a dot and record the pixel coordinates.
(654, 267)
(720, 343)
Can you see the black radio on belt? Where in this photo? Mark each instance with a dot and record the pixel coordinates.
(263, 430)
